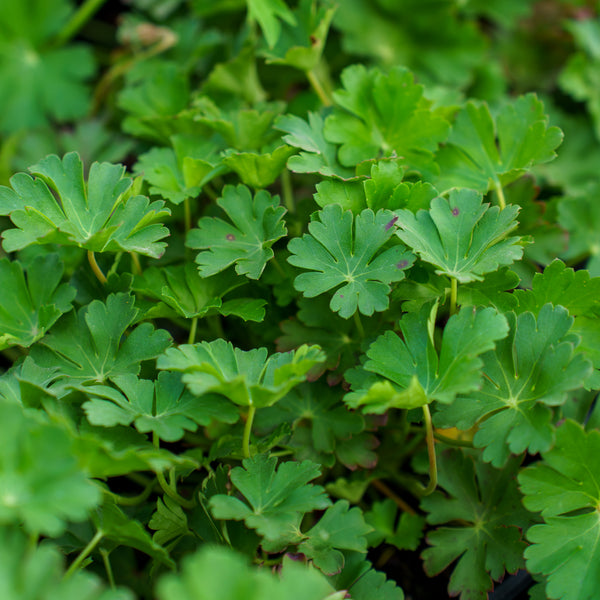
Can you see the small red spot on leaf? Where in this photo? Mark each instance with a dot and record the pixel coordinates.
(230, 237)
(402, 264)
(455, 211)
(391, 223)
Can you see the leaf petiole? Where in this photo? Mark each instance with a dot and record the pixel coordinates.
(430, 451)
(84, 554)
(248, 431)
(97, 270)
(500, 194)
(453, 295)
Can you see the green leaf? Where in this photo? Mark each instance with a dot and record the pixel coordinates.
(484, 516)
(319, 156)
(184, 291)
(257, 225)
(341, 249)
(340, 528)
(461, 236)
(384, 115)
(219, 572)
(564, 487)
(88, 347)
(247, 378)
(162, 407)
(349, 195)
(169, 521)
(318, 419)
(484, 154)
(258, 170)
(416, 374)
(276, 497)
(119, 529)
(37, 573)
(98, 216)
(404, 533)
(40, 82)
(301, 44)
(531, 370)
(42, 486)
(29, 307)
(269, 13)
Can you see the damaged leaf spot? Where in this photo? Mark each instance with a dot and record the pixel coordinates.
(455, 211)
(391, 223)
(230, 237)
(402, 264)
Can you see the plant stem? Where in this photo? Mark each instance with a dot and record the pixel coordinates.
(287, 191)
(430, 451)
(248, 431)
(97, 270)
(136, 267)
(169, 491)
(83, 14)
(386, 491)
(132, 500)
(500, 194)
(193, 328)
(84, 553)
(109, 572)
(318, 88)
(187, 215)
(453, 295)
(359, 325)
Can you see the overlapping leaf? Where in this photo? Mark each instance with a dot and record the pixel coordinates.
(341, 249)
(247, 378)
(384, 114)
(530, 370)
(276, 497)
(42, 486)
(340, 528)
(29, 307)
(484, 154)
(87, 347)
(484, 518)
(317, 155)
(404, 532)
(564, 487)
(257, 225)
(37, 573)
(162, 407)
(461, 236)
(218, 572)
(40, 82)
(415, 373)
(97, 216)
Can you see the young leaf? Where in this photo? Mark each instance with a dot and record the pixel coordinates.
(484, 516)
(406, 534)
(564, 487)
(169, 522)
(341, 249)
(87, 347)
(28, 308)
(461, 236)
(268, 13)
(258, 170)
(41, 483)
(472, 158)
(247, 378)
(98, 216)
(384, 114)
(163, 408)
(415, 373)
(276, 498)
(530, 370)
(257, 225)
(340, 528)
(319, 155)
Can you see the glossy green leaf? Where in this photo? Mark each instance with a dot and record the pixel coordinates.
(247, 378)
(256, 225)
(340, 249)
(460, 236)
(98, 216)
